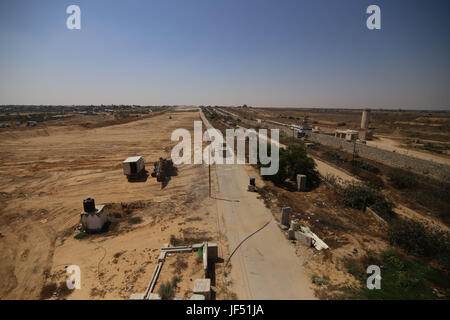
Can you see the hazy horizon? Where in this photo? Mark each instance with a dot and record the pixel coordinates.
(435, 109)
(268, 54)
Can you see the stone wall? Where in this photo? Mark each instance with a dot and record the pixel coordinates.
(423, 167)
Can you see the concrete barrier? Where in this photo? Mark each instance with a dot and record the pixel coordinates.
(429, 168)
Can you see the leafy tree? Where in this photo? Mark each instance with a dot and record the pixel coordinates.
(294, 160)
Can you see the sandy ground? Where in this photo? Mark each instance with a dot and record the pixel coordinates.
(47, 172)
(396, 146)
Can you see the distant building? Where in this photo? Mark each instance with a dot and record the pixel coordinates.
(348, 135)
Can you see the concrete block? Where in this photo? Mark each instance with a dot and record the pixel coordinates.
(303, 239)
(205, 259)
(137, 296)
(203, 287)
(154, 296)
(291, 234)
(286, 216)
(213, 251)
(162, 256)
(197, 297)
(301, 182)
(178, 298)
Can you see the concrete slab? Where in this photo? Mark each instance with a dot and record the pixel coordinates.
(301, 182)
(286, 216)
(137, 296)
(197, 297)
(291, 234)
(205, 259)
(162, 256)
(154, 296)
(203, 287)
(303, 238)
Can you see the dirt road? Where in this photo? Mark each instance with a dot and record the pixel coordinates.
(265, 266)
(323, 168)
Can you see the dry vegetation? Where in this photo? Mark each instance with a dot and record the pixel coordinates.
(356, 239)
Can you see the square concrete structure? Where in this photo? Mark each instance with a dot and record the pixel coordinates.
(162, 256)
(348, 135)
(154, 296)
(303, 239)
(286, 216)
(133, 166)
(301, 182)
(137, 296)
(94, 221)
(291, 234)
(203, 287)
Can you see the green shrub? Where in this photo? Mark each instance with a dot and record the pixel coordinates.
(175, 280)
(421, 240)
(80, 235)
(166, 291)
(359, 196)
(405, 278)
(402, 179)
(174, 241)
(292, 161)
(366, 166)
(334, 156)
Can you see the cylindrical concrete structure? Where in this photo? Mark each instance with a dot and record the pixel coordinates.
(365, 119)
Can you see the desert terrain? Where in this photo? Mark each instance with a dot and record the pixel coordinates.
(46, 172)
(47, 169)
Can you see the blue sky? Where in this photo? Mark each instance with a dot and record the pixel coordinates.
(294, 53)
